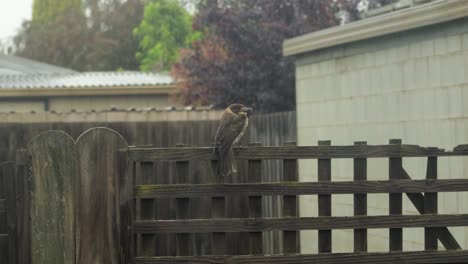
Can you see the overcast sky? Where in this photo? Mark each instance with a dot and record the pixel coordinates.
(12, 14)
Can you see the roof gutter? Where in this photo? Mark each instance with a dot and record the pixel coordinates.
(88, 91)
(405, 19)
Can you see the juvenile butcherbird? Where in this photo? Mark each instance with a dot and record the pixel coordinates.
(234, 122)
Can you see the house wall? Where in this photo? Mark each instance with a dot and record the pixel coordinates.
(411, 85)
(87, 103)
(22, 106)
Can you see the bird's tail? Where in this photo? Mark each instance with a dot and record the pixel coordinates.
(226, 164)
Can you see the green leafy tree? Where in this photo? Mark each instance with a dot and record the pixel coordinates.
(166, 27)
(57, 34)
(94, 36)
(48, 10)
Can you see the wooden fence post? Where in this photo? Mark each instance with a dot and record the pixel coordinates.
(22, 173)
(290, 204)
(430, 205)
(3, 223)
(324, 202)
(11, 210)
(255, 204)
(98, 205)
(395, 200)
(360, 201)
(184, 240)
(52, 206)
(149, 245)
(126, 185)
(4, 246)
(218, 210)
(138, 236)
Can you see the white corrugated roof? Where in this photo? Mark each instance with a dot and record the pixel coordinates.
(85, 79)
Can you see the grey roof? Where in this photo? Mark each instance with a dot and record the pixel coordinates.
(10, 65)
(133, 109)
(85, 79)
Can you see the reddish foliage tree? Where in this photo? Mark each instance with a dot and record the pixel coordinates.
(240, 57)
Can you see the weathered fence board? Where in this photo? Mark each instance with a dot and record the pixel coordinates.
(144, 175)
(324, 201)
(302, 188)
(98, 204)
(255, 205)
(52, 198)
(430, 206)
(183, 240)
(4, 247)
(298, 223)
(127, 216)
(3, 224)
(360, 201)
(290, 205)
(289, 152)
(2, 206)
(22, 176)
(395, 200)
(12, 227)
(455, 256)
(218, 211)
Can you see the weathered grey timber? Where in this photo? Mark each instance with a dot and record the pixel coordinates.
(98, 204)
(52, 198)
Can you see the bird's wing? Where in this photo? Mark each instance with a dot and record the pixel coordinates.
(230, 127)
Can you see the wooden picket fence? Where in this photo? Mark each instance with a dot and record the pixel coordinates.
(97, 200)
(14, 233)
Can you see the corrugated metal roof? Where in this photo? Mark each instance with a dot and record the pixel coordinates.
(85, 79)
(131, 109)
(10, 64)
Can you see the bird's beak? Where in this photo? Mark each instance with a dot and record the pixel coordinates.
(246, 109)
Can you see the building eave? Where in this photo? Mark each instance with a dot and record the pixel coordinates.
(88, 91)
(405, 19)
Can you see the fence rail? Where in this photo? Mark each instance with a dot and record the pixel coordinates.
(302, 188)
(458, 256)
(297, 223)
(296, 152)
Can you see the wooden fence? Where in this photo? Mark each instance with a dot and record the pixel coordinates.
(97, 200)
(182, 229)
(14, 190)
(161, 129)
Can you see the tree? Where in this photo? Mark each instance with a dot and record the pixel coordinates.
(111, 24)
(166, 27)
(49, 10)
(59, 41)
(240, 56)
(97, 36)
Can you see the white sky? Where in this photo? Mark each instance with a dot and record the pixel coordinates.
(12, 15)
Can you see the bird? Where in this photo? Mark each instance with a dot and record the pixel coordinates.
(234, 122)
